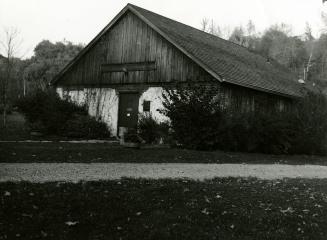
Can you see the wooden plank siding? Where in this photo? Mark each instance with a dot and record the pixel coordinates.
(131, 41)
(242, 99)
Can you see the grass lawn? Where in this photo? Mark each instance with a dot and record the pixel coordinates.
(104, 152)
(15, 128)
(165, 209)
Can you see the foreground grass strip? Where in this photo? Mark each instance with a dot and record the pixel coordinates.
(165, 209)
(103, 152)
(75, 172)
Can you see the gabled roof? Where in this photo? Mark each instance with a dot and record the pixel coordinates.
(224, 60)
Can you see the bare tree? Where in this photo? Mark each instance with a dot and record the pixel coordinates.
(324, 20)
(238, 36)
(9, 46)
(310, 45)
(215, 29)
(204, 24)
(211, 27)
(250, 28)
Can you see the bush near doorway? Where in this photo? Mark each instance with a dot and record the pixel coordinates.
(152, 131)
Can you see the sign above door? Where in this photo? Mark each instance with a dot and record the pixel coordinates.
(128, 67)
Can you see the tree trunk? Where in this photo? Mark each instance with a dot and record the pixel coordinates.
(4, 117)
(4, 110)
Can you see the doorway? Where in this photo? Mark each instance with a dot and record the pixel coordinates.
(128, 109)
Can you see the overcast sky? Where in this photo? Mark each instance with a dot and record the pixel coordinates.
(80, 20)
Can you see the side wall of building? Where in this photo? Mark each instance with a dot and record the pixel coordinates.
(103, 103)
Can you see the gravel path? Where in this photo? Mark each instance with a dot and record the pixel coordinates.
(74, 172)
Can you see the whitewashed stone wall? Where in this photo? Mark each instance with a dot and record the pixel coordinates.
(153, 94)
(103, 103)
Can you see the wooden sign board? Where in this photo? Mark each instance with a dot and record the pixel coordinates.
(128, 67)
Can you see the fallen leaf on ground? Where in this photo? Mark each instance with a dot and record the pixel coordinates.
(7, 193)
(44, 234)
(205, 211)
(70, 223)
(288, 210)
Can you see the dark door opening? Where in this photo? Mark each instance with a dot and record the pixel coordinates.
(128, 110)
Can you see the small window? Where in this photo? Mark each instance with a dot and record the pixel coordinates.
(146, 106)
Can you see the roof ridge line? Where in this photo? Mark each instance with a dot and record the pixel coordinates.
(209, 34)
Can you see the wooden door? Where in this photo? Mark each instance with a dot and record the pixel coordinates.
(128, 110)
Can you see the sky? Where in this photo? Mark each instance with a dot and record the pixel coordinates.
(79, 21)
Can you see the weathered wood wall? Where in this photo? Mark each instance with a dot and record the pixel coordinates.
(131, 40)
(241, 99)
(244, 99)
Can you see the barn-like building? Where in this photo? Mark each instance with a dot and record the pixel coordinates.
(121, 73)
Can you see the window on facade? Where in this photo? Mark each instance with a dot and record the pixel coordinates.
(65, 94)
(146, 106)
